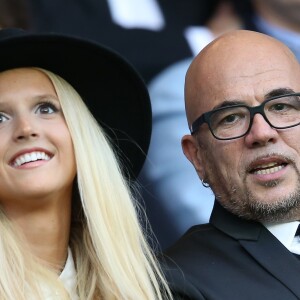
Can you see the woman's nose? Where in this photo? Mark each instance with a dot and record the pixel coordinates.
(25, 129)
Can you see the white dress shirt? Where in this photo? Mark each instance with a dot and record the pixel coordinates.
(285, 233)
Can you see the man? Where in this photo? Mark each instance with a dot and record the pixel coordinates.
(246, 148)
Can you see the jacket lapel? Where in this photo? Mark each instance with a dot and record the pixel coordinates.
(274, 257)
(261, 245)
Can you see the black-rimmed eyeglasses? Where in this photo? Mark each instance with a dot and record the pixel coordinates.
(235, 121)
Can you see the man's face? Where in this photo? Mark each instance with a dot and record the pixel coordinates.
(256, 176)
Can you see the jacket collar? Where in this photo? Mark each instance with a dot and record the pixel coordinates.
(259, 243)
(233, 225)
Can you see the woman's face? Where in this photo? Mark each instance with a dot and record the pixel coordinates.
(37, 164)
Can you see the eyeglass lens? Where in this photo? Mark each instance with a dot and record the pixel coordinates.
(233, 122)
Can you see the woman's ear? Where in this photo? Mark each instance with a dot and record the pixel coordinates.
(193, 152)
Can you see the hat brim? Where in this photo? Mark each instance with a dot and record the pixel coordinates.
(109, 85)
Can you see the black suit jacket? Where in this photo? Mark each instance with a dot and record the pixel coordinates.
(231, 258)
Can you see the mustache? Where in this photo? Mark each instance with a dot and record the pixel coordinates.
(269, 157)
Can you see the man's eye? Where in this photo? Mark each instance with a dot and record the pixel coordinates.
(230, 119)
(279, 106)
(46, 108)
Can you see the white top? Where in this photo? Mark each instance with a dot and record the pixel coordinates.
(68, 279)
(285, 233)
(68, 276)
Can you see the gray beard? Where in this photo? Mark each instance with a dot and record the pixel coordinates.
(248, 207)
(244, 203)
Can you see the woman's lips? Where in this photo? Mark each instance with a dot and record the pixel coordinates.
(30, 156)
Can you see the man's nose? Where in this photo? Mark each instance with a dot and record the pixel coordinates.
(261, 133)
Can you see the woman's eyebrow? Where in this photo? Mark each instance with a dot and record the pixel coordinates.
(46, 96)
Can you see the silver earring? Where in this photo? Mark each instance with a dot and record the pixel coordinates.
(205, 184)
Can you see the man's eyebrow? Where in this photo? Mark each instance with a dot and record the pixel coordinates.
(279, 92)
(272, 93)
(228, 103)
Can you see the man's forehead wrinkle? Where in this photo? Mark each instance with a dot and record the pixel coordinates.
(256, 74)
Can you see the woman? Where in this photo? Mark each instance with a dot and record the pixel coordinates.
(66, 210)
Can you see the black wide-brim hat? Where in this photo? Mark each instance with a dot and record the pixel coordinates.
(108, 84)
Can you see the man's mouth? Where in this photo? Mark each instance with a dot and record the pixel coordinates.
(268, 168)
(30, 157)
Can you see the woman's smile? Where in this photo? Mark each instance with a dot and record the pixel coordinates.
(30, 158)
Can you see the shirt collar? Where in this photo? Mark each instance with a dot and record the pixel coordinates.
(284, 232)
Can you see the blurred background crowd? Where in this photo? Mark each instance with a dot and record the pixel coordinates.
(160, 38)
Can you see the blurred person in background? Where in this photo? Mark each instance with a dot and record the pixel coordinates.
(15, 13)
(148, 33)
(280, 19)
(174, 199)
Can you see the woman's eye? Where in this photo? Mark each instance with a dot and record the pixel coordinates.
(3, 118)
(46, 108)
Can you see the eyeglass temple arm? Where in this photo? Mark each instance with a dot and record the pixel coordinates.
(197, 123)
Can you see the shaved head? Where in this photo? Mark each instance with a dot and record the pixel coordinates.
(230, 58)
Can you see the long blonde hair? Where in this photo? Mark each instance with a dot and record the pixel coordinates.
(112, 257)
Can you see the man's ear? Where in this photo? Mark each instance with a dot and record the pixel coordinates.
(192, 151)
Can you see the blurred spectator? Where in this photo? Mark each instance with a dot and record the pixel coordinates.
(150, 45)
(14, 13)
(174, 198)
(280, 19)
